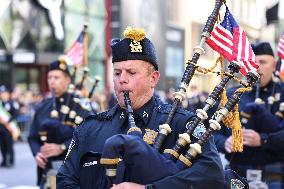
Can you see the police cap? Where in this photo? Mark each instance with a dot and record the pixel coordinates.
(61, 65)
(262, 48)
(135, 46)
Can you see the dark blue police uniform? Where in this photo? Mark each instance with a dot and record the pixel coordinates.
(268, 156)
(82, 169)
(57, 128)
(57, 131)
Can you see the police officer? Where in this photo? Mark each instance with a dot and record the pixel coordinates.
(262, 131)
(52, 127)
(136, 71)
(6, 132)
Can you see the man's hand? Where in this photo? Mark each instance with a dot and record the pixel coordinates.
(40, 160)
(228, 144)
(2, 121)
(128, 185)
(51, 149)
(251, 138)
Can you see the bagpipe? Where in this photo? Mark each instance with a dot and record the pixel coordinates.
(134, 152)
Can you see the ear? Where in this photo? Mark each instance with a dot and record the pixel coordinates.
(274, 64)
(67, 79)
(155, 76)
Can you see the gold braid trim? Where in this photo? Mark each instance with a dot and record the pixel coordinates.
(207, 70)
(107, 161)
(211, 70)
(132, 129)
(172, 152)
(237, 134)
(136, 34)
(228, 120)
(243, 89)
(232, 120)
(246, 115)
(185, 161)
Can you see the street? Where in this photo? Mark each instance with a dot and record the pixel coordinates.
(23, 174)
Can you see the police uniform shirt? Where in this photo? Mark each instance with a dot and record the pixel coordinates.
(62, 135)
(261, 155)
(91, 135)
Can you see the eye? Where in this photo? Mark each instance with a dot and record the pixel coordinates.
(116, 73)
(132, 72)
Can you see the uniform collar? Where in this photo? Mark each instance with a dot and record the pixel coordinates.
(144, 112)
(268, 87)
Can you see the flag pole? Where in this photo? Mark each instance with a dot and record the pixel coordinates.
(85, 44)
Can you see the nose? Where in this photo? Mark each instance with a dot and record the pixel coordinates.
(51, 81)
(123, 78)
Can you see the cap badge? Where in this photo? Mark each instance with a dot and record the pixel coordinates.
(62, 65)
(135, 46)
(150, 136)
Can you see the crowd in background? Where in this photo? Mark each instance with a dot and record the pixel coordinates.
(26, 101)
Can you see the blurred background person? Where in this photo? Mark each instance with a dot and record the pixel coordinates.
(7, 130)
(261, 159)
(52, 127)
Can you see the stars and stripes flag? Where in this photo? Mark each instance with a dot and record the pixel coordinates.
(75, 52)
(231, 41)
(280, 49)
(280, 63)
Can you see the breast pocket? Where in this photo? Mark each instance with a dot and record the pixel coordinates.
(92, 173)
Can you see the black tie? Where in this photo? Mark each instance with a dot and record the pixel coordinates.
(138, 120)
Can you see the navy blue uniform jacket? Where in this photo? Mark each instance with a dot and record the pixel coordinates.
(206, 171)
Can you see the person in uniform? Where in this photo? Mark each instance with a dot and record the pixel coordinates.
(52, 127)
(6, 132)
(262, 130)
(135, 69)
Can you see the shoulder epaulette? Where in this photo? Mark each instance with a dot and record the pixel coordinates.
(90, 117)
(184, 111)
(107, 115)
(42, 103)
(164, 108)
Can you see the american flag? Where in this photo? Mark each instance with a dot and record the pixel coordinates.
(75, 53)
(231, 41)
(280, 49)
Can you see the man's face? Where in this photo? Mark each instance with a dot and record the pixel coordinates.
(57, 81)
(5, 96)
(137, 77)
(267, 65)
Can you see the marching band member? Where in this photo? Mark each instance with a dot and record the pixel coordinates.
(136, 71)
(54, 121)
(259, 122)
